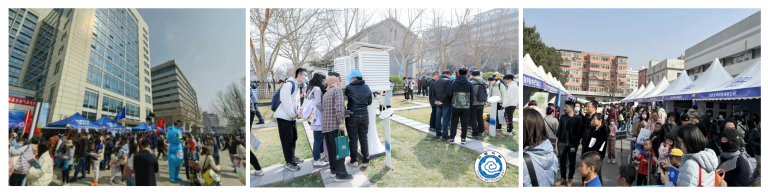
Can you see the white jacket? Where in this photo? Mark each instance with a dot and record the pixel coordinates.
(689, 169)
(44, 175)
(289, 102)
(511, 98)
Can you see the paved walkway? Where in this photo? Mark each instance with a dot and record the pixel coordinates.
(278, 173)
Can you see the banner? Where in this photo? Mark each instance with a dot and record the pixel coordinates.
(21, 101)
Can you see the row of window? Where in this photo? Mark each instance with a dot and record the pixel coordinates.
(601, 66)
(571, 63)
(570, 54)
(600, 58)
(598, 74)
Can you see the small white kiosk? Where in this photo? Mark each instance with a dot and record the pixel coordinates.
(373, 62)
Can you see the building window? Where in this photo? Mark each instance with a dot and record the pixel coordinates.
(91, 100)
(146, 88)
(51, 94)
(132, 110)
(57, 68)
(89, 115)
(13, 79)
(111, 104)
(147, 99)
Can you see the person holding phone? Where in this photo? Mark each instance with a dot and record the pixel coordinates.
(41, 169)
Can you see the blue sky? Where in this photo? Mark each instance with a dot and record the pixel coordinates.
(208, 44)
(640, 34)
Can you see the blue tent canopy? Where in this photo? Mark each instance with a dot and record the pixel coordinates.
(14, 122)
(76, 121)
(141, 127)
(107, 123)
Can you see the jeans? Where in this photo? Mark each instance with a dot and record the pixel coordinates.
(317, 148)
(16, 179)
(432, 118)
(476, 120)
(570, 156)
(509, 114)
(80, 168)
(419, 92)
(257, 114)
(255, 162)
(130, 181)
(463, 115)
(499, 118)
(357, 128)
(288, 137)
(336, 166)
(442, 120)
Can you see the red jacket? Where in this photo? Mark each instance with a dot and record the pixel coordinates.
(643, 168)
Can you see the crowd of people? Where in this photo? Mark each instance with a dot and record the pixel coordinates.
(130, 158)
(453, 96)
(692, 146)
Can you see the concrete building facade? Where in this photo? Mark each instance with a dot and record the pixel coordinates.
(642, 76)
(174, 98)
(89, 61)
(594, 72)
(211, 120)
(632, 77)
(737, 47)
(670, 68)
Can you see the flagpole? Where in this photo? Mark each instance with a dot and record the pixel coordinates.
(34, 121)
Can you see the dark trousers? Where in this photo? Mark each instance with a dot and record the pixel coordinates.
(336, 166)
(498, 118)
(432, 117)
(65, 174)
(357, 128)
(426, 91)
(476, 120)
(161, 152)
(80, 168)
(16, 179)
(257, 114)
(457, 114)
(255, 162)
(288, 137)
(410, 93)
(419, 92)
(565, 154)
(642, 179)
(509, 114)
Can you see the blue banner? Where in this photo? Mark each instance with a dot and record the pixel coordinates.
(533, 82)
(735, 93)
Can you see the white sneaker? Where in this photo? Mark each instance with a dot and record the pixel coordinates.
(257, 172)
(319, 163)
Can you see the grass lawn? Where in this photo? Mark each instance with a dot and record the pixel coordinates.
(267, 113)
(422, 115)
(421, 161)
(271, 152)
(309, 181)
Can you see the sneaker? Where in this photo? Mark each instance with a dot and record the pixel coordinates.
(333, 173)
(297, 160)
(451, 141)
(474, 137)
(445, 138)
(570, 182)
(292, 167)
(352, 164)
(364, 165)
(66, 184)
(319, 163)
(463, 141)
(344, 179)
(257, 172)
(432, 129)
(560, 182)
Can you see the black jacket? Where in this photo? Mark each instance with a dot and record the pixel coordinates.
(460, 93)
(424, 82)
(754, 140)
(570, 130)
(439, 90)
(358, 97)
(600, 134)
(739, 176)
(587, 129)
(431, 95)
(145, 166)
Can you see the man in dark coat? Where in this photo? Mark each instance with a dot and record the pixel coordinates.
(145, 166)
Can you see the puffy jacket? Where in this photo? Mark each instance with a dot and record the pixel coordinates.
(498, 89)
(477, 83)
(511, 99)
(692, 113)
(544, 164)
(439, 90)
(288, 101)
(317, 96)
(25, 154)
(44, 175)
(254, 94)
(460, 93)
(689, 169)
(358, 97)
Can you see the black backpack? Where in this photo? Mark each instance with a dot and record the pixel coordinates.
(276, 99)
(482, 93)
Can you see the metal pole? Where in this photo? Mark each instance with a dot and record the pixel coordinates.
(34, 122)
(388, 149)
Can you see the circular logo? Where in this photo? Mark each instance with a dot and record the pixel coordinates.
(490, 166)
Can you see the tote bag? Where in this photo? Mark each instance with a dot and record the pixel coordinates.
(342, 145)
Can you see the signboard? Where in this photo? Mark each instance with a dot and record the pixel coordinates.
(643, 135)
(42, 117)
(21, 101)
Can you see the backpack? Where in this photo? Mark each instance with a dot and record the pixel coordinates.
(719, 178)
(276, 99)
(482, 93)
(531, 170)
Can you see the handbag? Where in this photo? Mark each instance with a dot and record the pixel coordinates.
(531, 170)
(208, 175)
(342, 145)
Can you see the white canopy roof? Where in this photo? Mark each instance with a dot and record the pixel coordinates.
(634, 91)
(637, 92)
(529, 68)
(681, 82)
(645, 91)
(663, 84)
(713, 77)
(749, 78)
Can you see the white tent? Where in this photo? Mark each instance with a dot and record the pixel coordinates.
(713, 77)
(744, 86)
(663, 84)
(637, 92)
(530, 69)
(643, 92)
(680, 83)
(634, 91)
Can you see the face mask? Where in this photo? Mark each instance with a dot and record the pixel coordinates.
(325, 84)
(453, 78)
(306, 80)
(577, 109)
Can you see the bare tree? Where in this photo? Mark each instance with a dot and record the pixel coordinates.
(265, 19)
(301, 39)
(402, 36)
(346, 25)
(444, 32)
(230, 104)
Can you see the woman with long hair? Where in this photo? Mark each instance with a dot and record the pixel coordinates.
(318, 85)
(698, 163)
(41, 172)
(539, 150)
